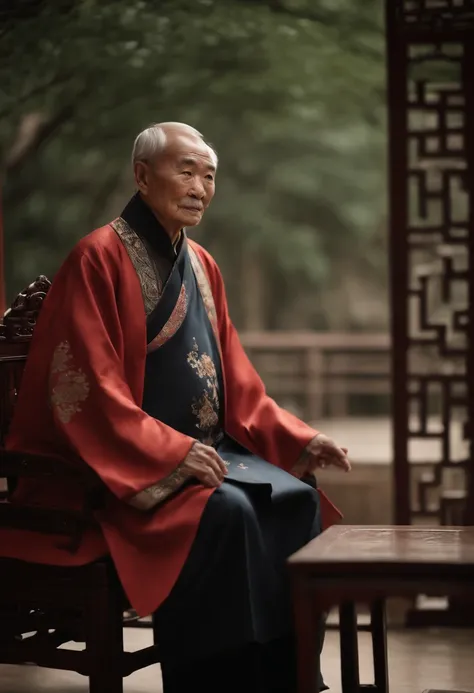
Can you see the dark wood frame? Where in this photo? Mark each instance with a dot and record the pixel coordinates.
(430, 134)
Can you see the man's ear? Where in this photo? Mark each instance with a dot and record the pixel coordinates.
(141, 176)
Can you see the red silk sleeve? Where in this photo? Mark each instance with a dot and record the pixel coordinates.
(78, 362)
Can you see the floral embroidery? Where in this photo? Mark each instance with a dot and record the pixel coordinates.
(174, 322)
(68, 384)
(203, 364)
(206, 407)
(203, 409)
(153, 495)
(241, 466)
(206, 292)
(150, 284)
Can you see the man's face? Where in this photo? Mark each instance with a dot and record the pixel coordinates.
(180, 184)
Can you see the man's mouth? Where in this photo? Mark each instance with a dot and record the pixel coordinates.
(192, 209)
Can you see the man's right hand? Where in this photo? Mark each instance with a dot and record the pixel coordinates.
(203, 463)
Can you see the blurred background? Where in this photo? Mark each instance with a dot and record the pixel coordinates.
(292, 95)
(293, 98)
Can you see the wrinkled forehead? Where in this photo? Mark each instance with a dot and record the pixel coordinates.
(190, 149)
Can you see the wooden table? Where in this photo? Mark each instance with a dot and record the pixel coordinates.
(349, 564)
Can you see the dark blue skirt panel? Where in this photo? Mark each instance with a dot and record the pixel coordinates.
(234, 587)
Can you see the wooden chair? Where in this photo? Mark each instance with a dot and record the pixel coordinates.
(56, 604)
(84, 604)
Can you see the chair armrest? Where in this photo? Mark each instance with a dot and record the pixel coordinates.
(71, 523)
(22, 464)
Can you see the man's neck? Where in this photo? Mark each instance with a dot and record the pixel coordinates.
(171, 231)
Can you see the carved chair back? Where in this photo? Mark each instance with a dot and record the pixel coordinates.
(16, 332)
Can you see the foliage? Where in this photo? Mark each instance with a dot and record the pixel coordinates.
(290, 94)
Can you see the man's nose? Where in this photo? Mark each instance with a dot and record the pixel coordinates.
(197, 190)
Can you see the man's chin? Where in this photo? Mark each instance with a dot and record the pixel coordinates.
(191, 220)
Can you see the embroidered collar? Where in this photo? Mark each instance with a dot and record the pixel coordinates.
(139, 216)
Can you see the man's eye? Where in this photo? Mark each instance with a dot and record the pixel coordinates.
(187, 173)
(210, 177)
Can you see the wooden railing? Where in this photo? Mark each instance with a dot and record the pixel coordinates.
(320, 374)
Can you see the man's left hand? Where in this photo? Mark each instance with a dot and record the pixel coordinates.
(323, 452)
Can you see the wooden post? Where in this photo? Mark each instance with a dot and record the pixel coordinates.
(2, 263)
(314, 384)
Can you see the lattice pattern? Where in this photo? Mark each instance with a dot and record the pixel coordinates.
(436, 14)
(438, 237)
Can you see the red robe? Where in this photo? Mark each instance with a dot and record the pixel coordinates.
(80, 399)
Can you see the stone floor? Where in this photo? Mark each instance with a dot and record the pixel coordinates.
(418, 660)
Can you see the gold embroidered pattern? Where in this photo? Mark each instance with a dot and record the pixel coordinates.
(174, 322)
(150, 284)
(206, 292)
(68, 384)
(206, 408)
(203, 409)
(153, 495)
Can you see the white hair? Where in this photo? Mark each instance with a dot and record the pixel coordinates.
(152, 141)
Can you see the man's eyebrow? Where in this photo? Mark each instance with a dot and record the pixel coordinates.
(191, 161)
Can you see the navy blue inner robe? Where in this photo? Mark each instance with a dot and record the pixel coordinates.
(234, 588)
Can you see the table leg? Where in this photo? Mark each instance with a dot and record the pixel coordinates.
(308, 615)
(379, 645)
(349, 648)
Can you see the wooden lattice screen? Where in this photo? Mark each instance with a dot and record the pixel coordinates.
(431, 131)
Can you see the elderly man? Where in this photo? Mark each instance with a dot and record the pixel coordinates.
(136, 370)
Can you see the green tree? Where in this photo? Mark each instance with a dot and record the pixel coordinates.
(290, 94)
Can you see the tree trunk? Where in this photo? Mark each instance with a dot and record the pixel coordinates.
(252, 293)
